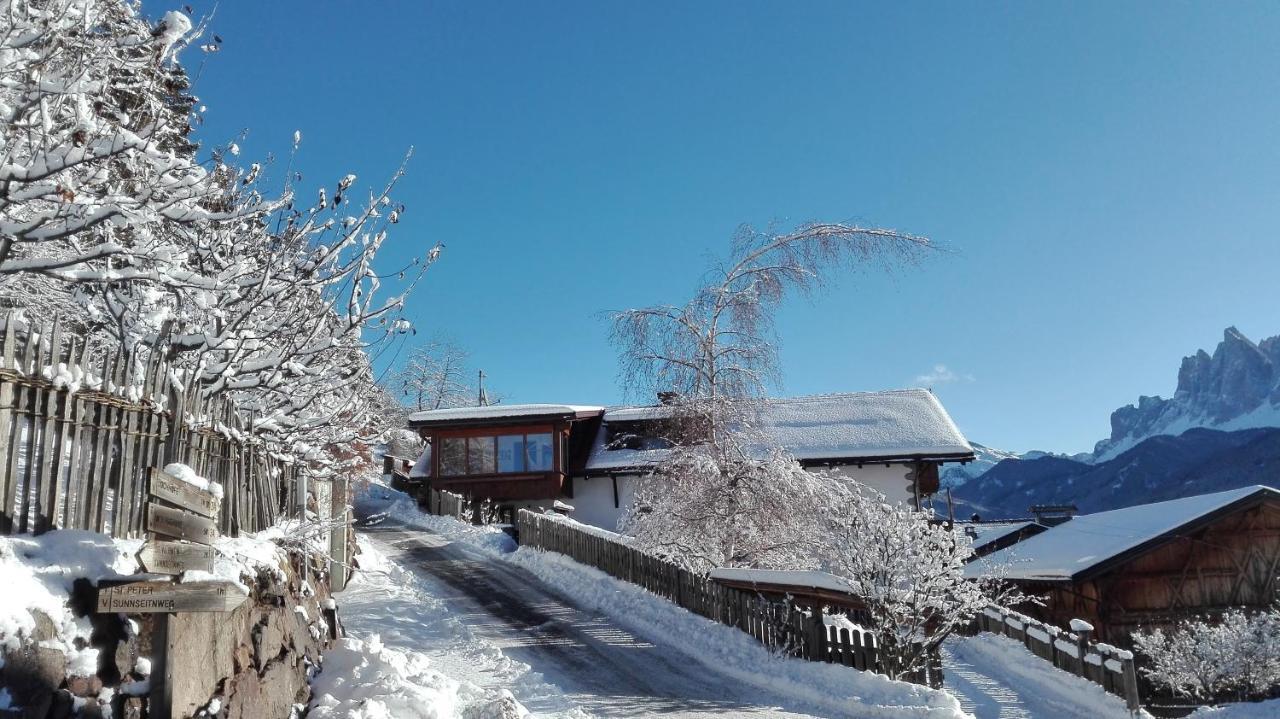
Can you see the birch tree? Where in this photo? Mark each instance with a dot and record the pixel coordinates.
(725, 496)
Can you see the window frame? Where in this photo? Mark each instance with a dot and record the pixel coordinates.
(492, 434)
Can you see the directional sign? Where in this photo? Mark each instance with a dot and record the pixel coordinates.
(156, 597)
(161, 557)
(188, 496)
(180, 525)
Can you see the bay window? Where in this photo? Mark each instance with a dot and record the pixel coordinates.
(497, 454)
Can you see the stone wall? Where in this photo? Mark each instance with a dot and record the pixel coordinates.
(250, 663)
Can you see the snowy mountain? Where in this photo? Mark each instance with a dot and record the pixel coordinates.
(956, 475)
(1214, 434)
(1162, 467)
(1237, 387)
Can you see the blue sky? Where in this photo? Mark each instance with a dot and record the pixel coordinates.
(1105, 176)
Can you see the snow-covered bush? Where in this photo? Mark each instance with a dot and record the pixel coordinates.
(1238, 655)
(910, 571)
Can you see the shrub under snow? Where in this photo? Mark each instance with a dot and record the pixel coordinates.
(1239, 656)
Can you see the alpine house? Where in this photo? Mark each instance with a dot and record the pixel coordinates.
(589, 457)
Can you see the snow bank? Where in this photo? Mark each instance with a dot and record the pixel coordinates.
(379, 503)
(37, 574)
(383, 674)
(732, 652)
(1040, 688)
(367, 680)
(1248, 710)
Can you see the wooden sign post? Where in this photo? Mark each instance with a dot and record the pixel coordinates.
(165, 596)
(181, 527)
(161, 557)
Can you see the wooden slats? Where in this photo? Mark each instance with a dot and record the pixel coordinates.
(76, 444)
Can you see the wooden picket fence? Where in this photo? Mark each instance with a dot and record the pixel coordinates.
(79, 432)
(1102, 664)
(780, 625)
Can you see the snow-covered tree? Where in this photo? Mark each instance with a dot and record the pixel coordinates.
(910, 571)
(108, 215)
(99, 179)
(725, 495)
(1237, 655)
(735, 509)
(719, 350)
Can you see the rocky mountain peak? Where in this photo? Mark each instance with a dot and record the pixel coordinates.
(1239, 383)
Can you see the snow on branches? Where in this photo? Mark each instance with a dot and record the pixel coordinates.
(909, 570)
(1237, 656)
(727, 496)
(108, 216)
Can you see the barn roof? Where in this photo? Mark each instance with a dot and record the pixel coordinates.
(1093, 543)
(849, 427)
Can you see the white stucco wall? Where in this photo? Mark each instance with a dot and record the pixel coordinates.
(890, 481)
(593, 500)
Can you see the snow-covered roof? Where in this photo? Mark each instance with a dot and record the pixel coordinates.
(638, 414)
(985, 533)
(500, 411)
(1069, 551)
(896, 424)
(782, 577)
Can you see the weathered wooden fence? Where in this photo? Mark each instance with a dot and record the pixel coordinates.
(780, 625)
(447, 504)
(1103, 664)
(79, 432)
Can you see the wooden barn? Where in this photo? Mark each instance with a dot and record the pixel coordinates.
(1151, 565)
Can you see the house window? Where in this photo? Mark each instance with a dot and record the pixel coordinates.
(480, 455)
(453, 456)
(496, 454)
(511, 453)
(540, 453)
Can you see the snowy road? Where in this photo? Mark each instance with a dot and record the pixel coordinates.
(589, 662)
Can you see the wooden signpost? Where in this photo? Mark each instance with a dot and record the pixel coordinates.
(187, 496)
(161, 557)
(181, 527)
(165, 596)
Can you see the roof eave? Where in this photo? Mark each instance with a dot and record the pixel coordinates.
(504, 421)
